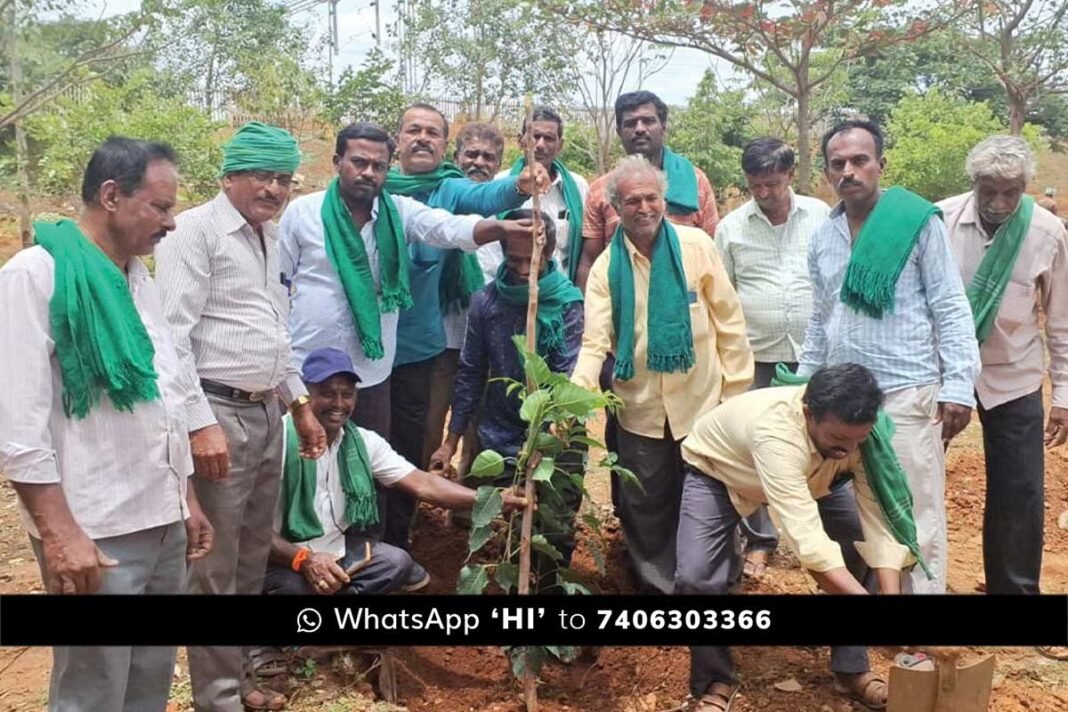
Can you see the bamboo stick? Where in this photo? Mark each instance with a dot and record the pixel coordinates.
(530, 690)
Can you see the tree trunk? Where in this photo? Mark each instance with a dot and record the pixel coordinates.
(21, 152)
(804, 149)
(1017, 112)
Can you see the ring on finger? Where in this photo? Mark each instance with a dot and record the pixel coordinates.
(321, 583)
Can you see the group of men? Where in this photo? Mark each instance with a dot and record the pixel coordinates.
(378, 305)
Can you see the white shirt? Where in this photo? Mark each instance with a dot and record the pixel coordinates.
(553, 204)
(320, 314)
(387, 467)
(226, 303)
(120, 472)
(768, 266)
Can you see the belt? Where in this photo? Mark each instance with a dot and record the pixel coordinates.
(225, 391)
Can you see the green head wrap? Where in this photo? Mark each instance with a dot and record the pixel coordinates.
(258, 146)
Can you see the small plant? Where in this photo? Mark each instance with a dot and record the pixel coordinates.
(556, 411)
(306, 669)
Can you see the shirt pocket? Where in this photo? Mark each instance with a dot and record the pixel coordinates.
(1017, 306)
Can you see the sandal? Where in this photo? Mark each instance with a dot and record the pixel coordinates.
(257, 700)
(754, 568)
(719, 697)
(268, 662)
(864, 688)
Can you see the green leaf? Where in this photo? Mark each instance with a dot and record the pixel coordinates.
(534, 366)
(576, 400)
(488, 463)
(610, 458)
(587, 441)
(547, 444)
(539, 543)
(529, 657)
(563, 653)
(534, 405)
(544, 471)
(473, 579)
(592, 521)
(488, 505)
(478, 538)
(627, 477)
(572, 588)
(507, 576)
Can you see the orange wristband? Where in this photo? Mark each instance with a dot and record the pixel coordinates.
(299, 558)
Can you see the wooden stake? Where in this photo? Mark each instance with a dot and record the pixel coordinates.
(530, 689)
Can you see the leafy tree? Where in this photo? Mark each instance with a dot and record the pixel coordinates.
(482, 52)
(218, 47)
(712, 131)
(584, 151)
(66, 136)
(930, 136)
(776, 41)
(369, 93)
(1025, 45)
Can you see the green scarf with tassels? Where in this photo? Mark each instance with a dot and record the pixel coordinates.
(100, 341)
(555, 293)
(573, 202)
(299, 520)
(886, 478)
(988, 283)
(670, 337)
(461, 274)
(881, 250)
(345, 248)
(681, 196)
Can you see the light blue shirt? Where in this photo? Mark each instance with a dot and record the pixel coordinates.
(929, 336)
(319, 314)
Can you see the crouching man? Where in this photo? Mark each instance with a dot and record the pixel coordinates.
(796, 449)
(328, 512)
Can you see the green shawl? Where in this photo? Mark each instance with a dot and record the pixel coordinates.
(573, 202)
(555, 293)
(345, 248)
(881, 250)
(988, 284)
(887, 480)
(299, 520)
(100, 341)
(461, 274)
(670, 337)
(681, 196)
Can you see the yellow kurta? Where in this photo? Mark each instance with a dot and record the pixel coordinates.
(723, 365)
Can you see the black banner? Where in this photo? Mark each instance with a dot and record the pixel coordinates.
(534, 620)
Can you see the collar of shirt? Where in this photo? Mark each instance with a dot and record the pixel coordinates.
(752, 210)
(969, 215)
(231, 221)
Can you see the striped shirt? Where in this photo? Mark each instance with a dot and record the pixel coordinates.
(768, 266)
(121, 472)
(224, 297)
(927, 339)
(321, 316)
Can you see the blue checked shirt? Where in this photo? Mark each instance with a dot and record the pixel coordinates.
(928, 338)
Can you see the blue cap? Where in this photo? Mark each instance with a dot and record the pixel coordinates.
(321, 364)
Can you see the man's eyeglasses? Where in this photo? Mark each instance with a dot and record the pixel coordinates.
(284, 180)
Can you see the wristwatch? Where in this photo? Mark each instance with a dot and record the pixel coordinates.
(299, 401)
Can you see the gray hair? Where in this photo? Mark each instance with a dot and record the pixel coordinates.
(631, 166)
(1003, 157)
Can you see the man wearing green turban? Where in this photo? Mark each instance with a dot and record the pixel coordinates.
(229, 311)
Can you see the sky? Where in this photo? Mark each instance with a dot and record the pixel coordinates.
(356, 29)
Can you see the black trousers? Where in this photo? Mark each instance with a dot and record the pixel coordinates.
(1015, 469)
(409, 398)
